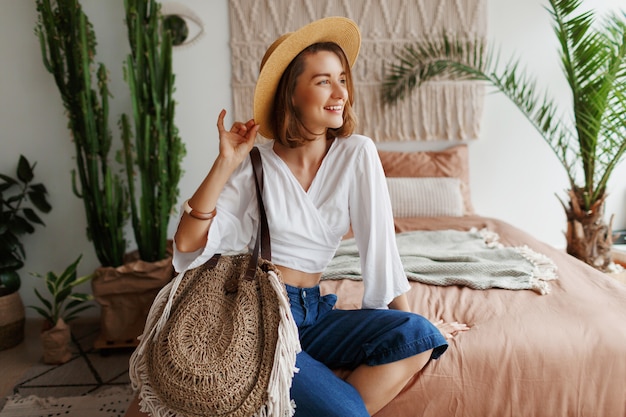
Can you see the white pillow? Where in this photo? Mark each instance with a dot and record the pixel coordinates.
(425, 196)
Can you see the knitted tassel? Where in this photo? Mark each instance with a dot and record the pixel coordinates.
(544, 268)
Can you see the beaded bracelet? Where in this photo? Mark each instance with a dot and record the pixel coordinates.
(196, 214)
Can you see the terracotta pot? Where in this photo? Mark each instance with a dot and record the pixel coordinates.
(56, 342)
(125, 295)
(12, 319)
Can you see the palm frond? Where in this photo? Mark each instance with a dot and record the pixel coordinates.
(590, 139)
(432, 59)
(473, 60)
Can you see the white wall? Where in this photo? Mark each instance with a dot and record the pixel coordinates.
(514, 175)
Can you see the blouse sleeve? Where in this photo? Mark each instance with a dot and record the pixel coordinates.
(372, 221)
(233, 228)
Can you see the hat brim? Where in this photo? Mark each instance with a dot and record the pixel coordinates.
(340, 30)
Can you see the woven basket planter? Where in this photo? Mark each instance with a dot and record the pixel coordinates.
(125, 295)
(55, 341)
(12, 319)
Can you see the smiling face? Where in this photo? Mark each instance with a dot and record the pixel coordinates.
(314, 97)
(321, 93)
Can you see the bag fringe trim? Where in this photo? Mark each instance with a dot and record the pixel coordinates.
(287, 347)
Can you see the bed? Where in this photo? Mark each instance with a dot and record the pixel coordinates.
(529, 352)
(562, 353)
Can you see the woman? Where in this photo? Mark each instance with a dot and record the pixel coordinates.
(320, 179)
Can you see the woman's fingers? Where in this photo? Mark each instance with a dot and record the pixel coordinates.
(250, 124)
(220, 121)
(449, 330)
(243, 128)
(239, 139)
(238, 128)
(253, 131)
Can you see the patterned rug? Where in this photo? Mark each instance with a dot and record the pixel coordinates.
(92, 383)
(112, 402)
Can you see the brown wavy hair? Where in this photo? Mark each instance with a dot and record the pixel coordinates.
(286, 124)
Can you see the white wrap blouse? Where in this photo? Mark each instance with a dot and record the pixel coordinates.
(306, 227)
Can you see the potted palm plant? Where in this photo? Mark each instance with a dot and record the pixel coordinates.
(20, 200)
(61, 306)
(589, 143)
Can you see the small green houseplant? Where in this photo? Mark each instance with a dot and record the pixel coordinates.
(589, 143)
(18, 218)
(62, 305)
(20, 200)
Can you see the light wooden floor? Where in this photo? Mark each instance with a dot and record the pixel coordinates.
(15, 361)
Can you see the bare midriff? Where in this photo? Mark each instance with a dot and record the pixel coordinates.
(299, 279)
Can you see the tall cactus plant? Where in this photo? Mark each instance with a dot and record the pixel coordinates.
(157, 150)
(68, 47)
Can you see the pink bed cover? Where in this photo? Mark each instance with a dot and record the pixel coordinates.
(561, 354)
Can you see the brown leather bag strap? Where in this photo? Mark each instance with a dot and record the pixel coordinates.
(257, 166)
(263, 232)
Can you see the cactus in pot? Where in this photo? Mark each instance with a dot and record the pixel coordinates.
(68, 47)
(157, 150)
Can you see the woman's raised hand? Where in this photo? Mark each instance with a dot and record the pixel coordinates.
(237, 142)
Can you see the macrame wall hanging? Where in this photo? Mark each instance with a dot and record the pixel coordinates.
(441, 110)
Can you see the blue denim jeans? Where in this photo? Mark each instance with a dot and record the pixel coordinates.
(333, 339)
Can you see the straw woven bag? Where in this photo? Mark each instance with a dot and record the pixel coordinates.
(220, 339)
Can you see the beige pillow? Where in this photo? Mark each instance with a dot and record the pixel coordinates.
(425, 197)
(451, 163)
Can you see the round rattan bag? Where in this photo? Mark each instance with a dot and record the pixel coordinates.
(215, 354)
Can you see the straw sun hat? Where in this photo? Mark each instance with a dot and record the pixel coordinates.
(340, 30)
